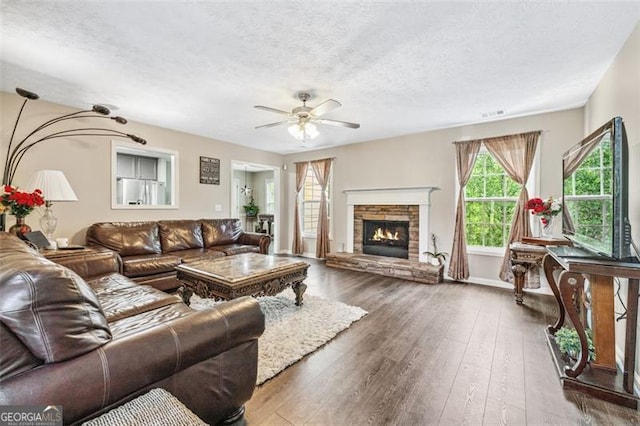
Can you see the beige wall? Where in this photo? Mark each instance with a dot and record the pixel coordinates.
(428, 159)
(618, 94)
(87, 165)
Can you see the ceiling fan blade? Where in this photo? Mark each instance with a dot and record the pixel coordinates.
(275, 124)
(277, 111)
(338, 123)
(325, 107)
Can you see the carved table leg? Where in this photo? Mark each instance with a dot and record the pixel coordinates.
(185, 293)
(299, 289)
(518, 280)
(570, 283)
(518, 270)
(550, 264)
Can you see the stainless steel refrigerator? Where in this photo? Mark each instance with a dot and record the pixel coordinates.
(141, 191)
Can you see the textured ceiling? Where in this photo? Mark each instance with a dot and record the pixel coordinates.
(396, 67)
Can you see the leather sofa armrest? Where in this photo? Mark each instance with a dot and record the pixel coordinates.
(129, 364)
(256, 239)
(91, 262)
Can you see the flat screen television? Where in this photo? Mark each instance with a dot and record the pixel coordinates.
(595, 193)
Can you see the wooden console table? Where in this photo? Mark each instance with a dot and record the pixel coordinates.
(526, 260)
(606, 382)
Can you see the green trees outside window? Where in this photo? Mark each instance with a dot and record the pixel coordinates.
(310, 198)
(491, 198)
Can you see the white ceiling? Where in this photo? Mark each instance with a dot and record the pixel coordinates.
(396, 67)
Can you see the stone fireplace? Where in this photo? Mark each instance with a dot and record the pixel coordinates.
(389, 208)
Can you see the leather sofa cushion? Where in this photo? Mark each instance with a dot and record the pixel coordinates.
(180, 235)
(126, 238)
(197, 254)
(166, 281)
(92, 262)
(138, 266)
(48, 307)
(147, 320)
(231, 249)
(220, 231)
(110, 284)
(131, 301)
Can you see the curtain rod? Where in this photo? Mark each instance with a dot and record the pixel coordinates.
(319, 159)
(535, 132)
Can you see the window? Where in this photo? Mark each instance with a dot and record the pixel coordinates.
(235, 197)
(491, 197)
(311, 203)
(270, 196)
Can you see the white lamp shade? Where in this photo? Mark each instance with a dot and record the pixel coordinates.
(303, 130)
(53, 184)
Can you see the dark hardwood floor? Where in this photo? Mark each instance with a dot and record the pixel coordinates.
(447, 354)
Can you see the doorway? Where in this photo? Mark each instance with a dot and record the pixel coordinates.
(256, 185)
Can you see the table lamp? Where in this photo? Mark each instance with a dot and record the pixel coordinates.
(55, 187)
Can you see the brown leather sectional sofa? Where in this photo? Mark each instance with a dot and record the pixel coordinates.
(92, 343)
(151, 250)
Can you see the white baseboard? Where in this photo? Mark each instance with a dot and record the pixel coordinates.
(489, 282)
(502, 284)
(288, 252)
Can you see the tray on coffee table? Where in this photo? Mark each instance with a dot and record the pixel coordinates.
(248, 274)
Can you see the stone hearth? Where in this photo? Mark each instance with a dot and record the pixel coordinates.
(425, 273)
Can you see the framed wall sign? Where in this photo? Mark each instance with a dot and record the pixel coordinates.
(210, 170)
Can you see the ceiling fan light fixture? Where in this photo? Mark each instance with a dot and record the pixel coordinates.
(301, 120)
(304, 131)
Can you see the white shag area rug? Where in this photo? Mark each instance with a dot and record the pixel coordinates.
(291, 332)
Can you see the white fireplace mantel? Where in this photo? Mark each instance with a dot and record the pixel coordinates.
(420, 196)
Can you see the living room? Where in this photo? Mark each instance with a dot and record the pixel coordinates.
(408, 159)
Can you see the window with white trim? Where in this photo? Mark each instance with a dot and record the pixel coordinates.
(310, 203)
(490, 201)
(270, 196)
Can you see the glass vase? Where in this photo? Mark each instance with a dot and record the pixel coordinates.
(546, 227)
(20, 228)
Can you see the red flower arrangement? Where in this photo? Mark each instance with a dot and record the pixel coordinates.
(20, 203)
(544, 208)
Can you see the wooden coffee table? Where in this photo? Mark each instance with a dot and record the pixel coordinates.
(248, 274)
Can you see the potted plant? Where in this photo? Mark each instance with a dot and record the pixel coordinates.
(251, 209)
(436, 257)
(568, 342)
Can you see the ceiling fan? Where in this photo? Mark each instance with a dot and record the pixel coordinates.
(301, 119)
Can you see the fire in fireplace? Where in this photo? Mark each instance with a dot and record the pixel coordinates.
(386, 238)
